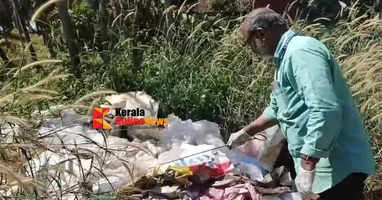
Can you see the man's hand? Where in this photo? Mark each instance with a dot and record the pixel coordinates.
(304, 183)
(238, 138)
(305, 178)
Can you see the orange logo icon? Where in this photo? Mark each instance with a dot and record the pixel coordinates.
(98, 121)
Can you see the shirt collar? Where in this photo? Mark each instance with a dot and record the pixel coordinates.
(280, 44)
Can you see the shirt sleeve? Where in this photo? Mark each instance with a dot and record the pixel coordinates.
(315, 81)
(271, 111)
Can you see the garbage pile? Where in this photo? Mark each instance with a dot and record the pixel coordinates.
(80, 158)
(185, 160)
(197, 165)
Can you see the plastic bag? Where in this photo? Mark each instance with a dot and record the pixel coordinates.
(187, 138)
(194, 133)
(122, 163)
(247, 165)
(107, 185)
(265, 151)
(207, 164)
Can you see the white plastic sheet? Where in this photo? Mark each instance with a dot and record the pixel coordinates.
(194, 133)
(106, 162)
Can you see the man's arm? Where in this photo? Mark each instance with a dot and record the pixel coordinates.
(260, 124)
(266, 120)
(315, 81)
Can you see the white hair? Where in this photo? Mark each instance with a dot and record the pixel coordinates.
(264, 18)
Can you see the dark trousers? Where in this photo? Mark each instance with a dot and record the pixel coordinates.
(351, 188)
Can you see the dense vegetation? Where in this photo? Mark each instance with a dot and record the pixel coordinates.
(191, 60)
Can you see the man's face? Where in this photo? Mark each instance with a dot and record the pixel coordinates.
(257, 41)
(262, 48)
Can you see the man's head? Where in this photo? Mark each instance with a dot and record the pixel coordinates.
(262, 29)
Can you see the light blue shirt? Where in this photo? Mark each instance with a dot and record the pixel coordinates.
(316, 112)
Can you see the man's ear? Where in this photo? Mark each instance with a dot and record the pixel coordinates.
(244, 30)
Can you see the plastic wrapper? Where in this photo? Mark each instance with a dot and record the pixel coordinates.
(194, 133)
(265, 151)
(207, 164)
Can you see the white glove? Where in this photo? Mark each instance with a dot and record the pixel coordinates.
(304, 184)
(238, 138)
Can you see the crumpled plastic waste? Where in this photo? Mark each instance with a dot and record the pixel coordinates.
(247, 165)
(108, 184)
(255, 158)
(189, 138)
(279, 176)
(207, 164)
(193, 133)
(222, 173)
(265, 151)
(177, 170)
(166, 192)
(107, 162)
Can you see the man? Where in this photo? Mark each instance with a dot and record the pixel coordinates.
(314, 108)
